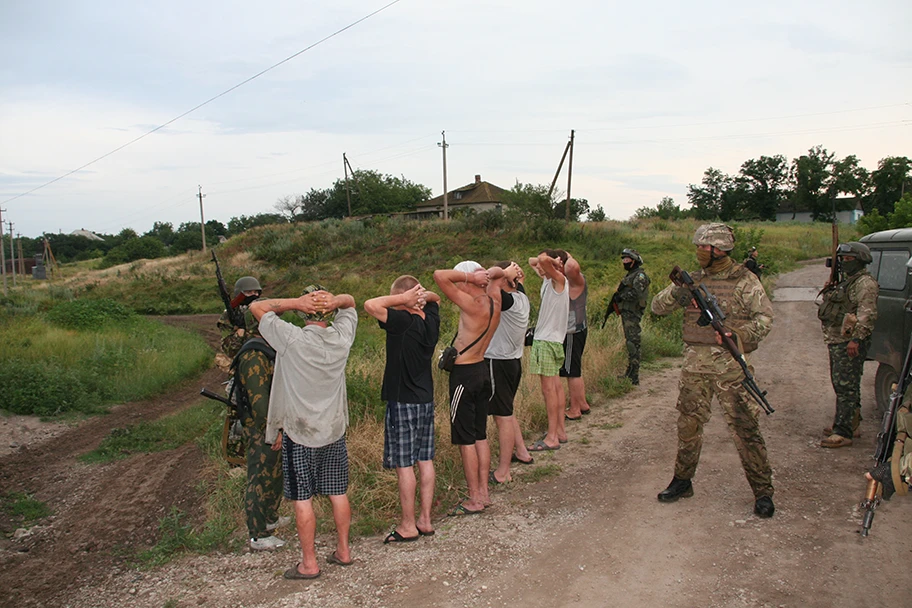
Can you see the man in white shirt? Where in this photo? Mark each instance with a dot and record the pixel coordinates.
(308, 411)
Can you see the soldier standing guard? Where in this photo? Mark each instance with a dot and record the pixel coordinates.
(847, 312)
(709, 369)
(630, 298)
(253, 367)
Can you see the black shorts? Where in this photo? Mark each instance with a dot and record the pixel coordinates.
(505, 376)
(470, 390)
(574, 345)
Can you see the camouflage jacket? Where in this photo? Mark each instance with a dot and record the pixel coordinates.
(633, 290)
(748, 313)
(233, 337)
(849, 310)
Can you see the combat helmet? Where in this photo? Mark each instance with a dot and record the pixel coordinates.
(316, 316)
(246, 284)
(718, 235)
(633, 254)
(859, 250)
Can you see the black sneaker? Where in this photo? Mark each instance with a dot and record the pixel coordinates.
(678, 488)
(764, 507)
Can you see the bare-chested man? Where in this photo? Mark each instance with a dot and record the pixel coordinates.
(476, 292)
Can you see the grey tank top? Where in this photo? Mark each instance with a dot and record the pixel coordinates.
(576, 321)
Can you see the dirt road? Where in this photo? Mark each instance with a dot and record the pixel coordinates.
(594, 534)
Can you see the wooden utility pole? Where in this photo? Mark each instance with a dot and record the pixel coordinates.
(2, 256)
(348, 191)
(569, 174)
(559, 167)
(202, 218)
(21, 259)
(444, 146)
(12, 252)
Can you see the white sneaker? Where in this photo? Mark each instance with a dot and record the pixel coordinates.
(268, 543)
(282, 521)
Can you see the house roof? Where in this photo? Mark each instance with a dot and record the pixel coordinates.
(87, 234)
(842, 202)
(472, 194)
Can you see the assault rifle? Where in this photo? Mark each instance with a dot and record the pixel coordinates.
(231, 306)
(611, 308)
(231, 431)
(832, 262)
(712, 315)
(888, 443)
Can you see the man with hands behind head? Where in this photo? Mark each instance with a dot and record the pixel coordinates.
(476, 292)
(410, 316)
(308, 413)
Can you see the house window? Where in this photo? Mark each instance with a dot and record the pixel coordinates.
(458, 196)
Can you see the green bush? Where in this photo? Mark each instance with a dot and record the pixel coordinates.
(35, 388)
(89, 314)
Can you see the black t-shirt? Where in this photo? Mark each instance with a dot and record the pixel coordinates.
(410, 344)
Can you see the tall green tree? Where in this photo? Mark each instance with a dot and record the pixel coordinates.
(765, 181)
(810, 175)
(889, 182)
(707, 199)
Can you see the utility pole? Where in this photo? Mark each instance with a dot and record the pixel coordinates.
(12, 252)
(202, 219)
(21, 259)
(348, 191)
(2, 258)
(444, 146)
(569, 174)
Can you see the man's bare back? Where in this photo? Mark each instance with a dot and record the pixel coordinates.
(477, 294)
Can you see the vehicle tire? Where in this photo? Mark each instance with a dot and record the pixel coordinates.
(884, 380)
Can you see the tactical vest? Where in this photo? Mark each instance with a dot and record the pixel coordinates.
(639, 304)
(238, 393)
(836, 303)
(722, 289)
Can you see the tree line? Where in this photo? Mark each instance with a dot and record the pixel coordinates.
(816, 182)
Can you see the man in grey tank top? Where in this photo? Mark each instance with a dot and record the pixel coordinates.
(575, 340)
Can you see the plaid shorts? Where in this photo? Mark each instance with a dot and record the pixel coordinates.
(408, 434)
(311, 471)
(546, 358)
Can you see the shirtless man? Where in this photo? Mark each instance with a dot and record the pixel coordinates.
(476, 292)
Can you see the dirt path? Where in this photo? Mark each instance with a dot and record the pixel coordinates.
(594, 534)
(101, 512)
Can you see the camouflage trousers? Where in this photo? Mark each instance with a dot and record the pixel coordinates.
(630, 321)
(845, 374)
(741, 414)
(264, 465)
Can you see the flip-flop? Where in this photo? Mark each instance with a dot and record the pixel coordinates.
(566, 417)
(559, 440)
(428, 533)
(541, 446)
(460, 510)
(395, 537)
(294, 574)
(332, 559)
(586, 412)
(492, 479)
(516, 458)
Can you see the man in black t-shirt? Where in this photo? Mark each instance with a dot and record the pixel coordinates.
(410, 315)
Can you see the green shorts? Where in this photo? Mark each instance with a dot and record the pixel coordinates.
(546, 358)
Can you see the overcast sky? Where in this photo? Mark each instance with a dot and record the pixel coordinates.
(656, 91)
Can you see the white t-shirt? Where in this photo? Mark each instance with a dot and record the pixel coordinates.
(510, 336)
(308, 400)
(555, 309)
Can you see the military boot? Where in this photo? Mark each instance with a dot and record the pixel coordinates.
(678, 488)
(764, 507)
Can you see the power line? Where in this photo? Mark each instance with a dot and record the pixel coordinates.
(208, 101)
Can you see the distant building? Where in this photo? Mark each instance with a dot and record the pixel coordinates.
(87, 234)
(478, 196)
(786, 213)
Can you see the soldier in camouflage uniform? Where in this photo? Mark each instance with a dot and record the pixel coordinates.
(847, 313)
(630, 298)
(709, 369)
(253, 370)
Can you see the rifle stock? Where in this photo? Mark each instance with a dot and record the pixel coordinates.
(886, 441)
(611, 308)
(712, 315)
